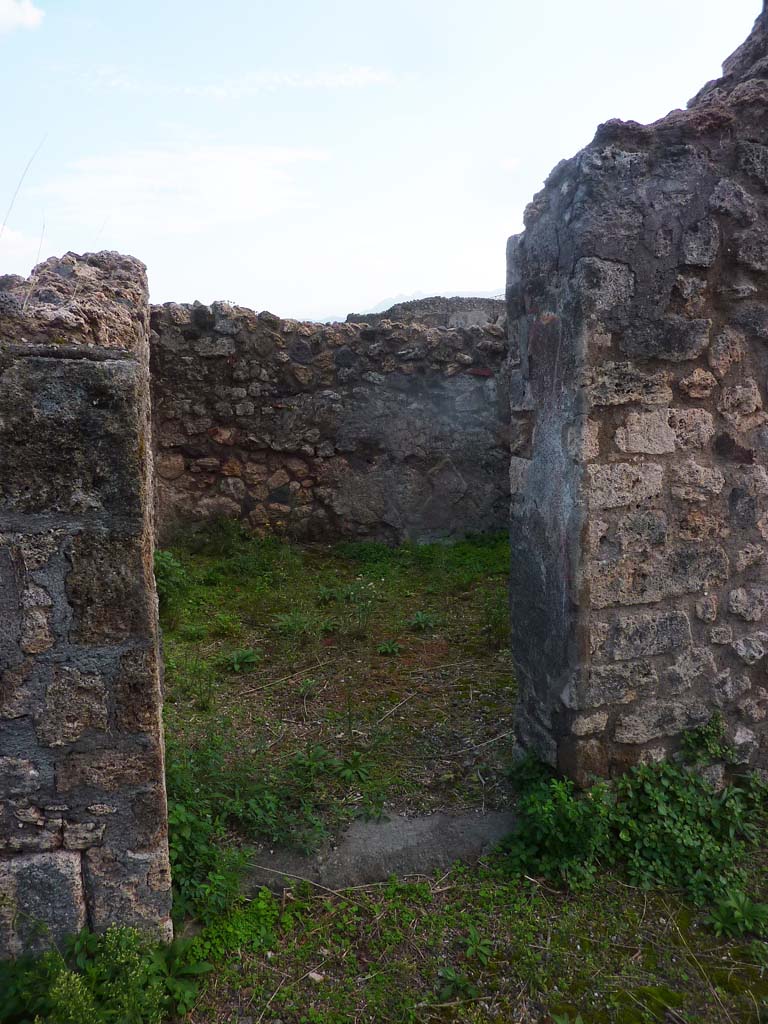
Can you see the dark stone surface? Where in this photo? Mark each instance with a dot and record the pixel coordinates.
(638, 311)
(391, 432)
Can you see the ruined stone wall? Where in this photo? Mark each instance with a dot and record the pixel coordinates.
(438, 311)
(398, 431)
(639, 295)
(82, 800)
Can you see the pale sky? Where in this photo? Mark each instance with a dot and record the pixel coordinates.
(313, 157)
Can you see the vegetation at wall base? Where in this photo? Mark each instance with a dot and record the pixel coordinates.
(119, 976)
(570, 921)
(662, 824)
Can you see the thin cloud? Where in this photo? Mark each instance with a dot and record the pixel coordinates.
(181, 191)
(19, 14)
(241, 86)
(18, 252)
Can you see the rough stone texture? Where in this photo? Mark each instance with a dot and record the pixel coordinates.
(439, 311)
(83, 836)
(396, 431)
(638, 312)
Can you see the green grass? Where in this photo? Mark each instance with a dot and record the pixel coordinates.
(318, 726)
(283, 721)
(407, 951)
(394, 656)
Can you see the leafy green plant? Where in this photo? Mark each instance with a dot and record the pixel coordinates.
(314, 761)
(119, 975)
(250, 926)
(736, 914)
(389, 648)
(171, 579)
(179, 973)
(353, 769)
(225, 624)
(707, 743)
(478, 948)
(454, 984)
(662, 823)
(294, 623)
(308, 688)
(243, 660)
(422, 621)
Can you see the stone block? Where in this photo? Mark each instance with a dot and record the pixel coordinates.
(749, 603)
(654, 719)
(695, 667)
(75, 703)
(700, 243)
(692, 482)
(108, 588)
(642, 529)
(622, 382)
(128, 888)
(41, 901)
(675, 339)
(647, 432)
(698, 384)
(136, 688)
(618, 683)
(70, 438)
(731, 199)
(726, 350)
(108, 771)
(753, 160)
(603, 284)
(751, 649)
(706, 608)
(641, 636)
(623, 483)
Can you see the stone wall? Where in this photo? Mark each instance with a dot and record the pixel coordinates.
(82, 799)
(639, 296)
(438, 311)
(397, 431)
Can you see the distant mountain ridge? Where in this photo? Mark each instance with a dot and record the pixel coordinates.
(440, 311)
(398, 301)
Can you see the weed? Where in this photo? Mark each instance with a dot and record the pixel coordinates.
(736, 914)
(195, 679)
(240, 661)
(707, 743)
(372, 808)
(314, 761)
(308, 688)
(179, 973)
(98, 979)
(353, 769)
(389, 648)
(250, 926)
(662, 823)
(455, 984)
(171, 579)
(294, 624)
(225, 624)
(478, 948)
(495, 611)
(422, 621)
(193, 631)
